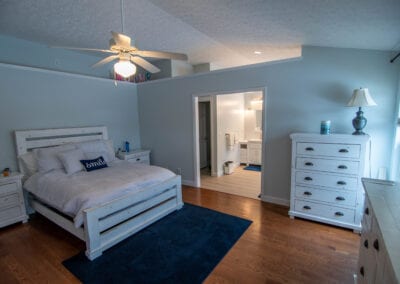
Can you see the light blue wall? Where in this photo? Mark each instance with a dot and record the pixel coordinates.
(35, 99)
(299, 95)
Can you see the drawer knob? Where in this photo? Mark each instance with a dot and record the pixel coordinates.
(309, 164)
(362, 270)
(366, 243)
(138, 159)
(306, 207)
(366, 211)
(343, 151)
(376, 245)
(309, 149)
(342, 167)
(339, 214)
(340, 198)
(307, 193)
(308, 178)
(340, 182)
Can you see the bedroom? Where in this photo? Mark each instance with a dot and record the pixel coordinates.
(158, 115)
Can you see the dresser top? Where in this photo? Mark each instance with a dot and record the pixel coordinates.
(329, 138)
(384, 197)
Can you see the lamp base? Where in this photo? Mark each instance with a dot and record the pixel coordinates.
(359, 132)
(359, 122)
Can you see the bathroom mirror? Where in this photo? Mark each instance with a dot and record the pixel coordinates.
(259, 119)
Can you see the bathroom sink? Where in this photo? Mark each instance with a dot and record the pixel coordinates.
(254, 140)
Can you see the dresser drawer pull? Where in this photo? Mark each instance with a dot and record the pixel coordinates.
(309, 149)
(376, 245)
(366, 243)
(343, 151)
(362, 271)
(308, 178)
(306, 207)
(138, 159)
(342, 167)
(340, 198)
(339, 214)
(366, 211)
(307, 193)
(340, 182)
(309, 164)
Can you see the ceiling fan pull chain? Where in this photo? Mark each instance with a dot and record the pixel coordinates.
(122, 15)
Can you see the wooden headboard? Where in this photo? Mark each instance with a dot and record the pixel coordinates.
(27, 140)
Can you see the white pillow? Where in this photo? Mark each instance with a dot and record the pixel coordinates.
(47, 159)
(98, 146)
(70, 159)
(28, 164)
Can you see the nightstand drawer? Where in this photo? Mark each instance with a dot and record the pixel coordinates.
(142, 159)
(329, 150)
(325, 180)
(325, 165)
(325, 211)
(10, 213)
(9, 200)
(8, 188)
(344, 198)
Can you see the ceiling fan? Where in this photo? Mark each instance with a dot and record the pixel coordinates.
(121, 48)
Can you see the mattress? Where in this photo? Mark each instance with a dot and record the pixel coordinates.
(72, 194)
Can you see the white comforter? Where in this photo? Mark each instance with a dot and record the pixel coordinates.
(75, 193)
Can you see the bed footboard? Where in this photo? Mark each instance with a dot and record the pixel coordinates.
(114, 221)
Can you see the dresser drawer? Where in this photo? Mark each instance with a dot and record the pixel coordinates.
(10, 213)
(345, 198)
(331, 181)
(9, 200)
(142, 159)
(8, 188)
(329, 150)
(335, 166)
(325, 211)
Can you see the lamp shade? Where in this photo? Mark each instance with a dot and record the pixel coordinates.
(361, 97)
(124, 68)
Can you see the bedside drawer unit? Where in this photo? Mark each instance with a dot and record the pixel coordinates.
(326, 178)
(326, 165)
(137, 156)
(340, 198)
(12, 206)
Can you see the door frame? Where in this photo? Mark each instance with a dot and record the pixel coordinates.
(196, 148)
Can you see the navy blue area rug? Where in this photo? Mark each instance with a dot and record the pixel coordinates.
(256, 168)
(183, 247)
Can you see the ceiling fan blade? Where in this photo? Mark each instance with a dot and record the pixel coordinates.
(105, 60)
(145, 64)
(160, 54)
(85, 49)
(121, 39)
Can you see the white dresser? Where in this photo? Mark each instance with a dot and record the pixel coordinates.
(326, 178)
(379, 257)
(136, 156)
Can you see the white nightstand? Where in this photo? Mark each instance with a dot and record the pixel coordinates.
(136, 156)
(12, 206)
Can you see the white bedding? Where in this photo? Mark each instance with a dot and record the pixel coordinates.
(71, 194)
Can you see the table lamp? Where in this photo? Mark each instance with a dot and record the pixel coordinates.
(361, 97)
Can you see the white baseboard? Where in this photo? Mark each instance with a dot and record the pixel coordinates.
(275, 200)
(191, 183)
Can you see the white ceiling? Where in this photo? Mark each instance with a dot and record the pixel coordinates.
(223, 32)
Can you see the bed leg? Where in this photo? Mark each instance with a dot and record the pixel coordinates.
(92, 236)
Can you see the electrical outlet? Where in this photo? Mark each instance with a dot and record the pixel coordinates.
(178, 171)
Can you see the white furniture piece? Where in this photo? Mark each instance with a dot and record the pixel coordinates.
(254, 152)
(326, 178)
(243, 152)
(12, 205)
(136, 156)
(379, 257)
(109, 223)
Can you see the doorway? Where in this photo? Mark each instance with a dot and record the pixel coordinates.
(229, 134)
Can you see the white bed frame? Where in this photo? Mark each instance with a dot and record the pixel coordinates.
(114, 221)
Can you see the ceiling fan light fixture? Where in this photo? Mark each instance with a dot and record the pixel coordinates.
(124, 68)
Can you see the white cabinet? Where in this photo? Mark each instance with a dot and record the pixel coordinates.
(379, 257)
(12, 206)
(136, 156)
(326, 178)
(243, 152)
(254, 152)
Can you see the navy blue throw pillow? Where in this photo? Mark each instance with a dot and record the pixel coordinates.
(95, 164)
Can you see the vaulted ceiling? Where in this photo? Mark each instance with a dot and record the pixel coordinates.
(224, 33)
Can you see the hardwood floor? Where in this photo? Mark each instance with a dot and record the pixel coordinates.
(241, 182)
(275, 249)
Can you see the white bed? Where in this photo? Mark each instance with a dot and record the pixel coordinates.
(105, 206)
